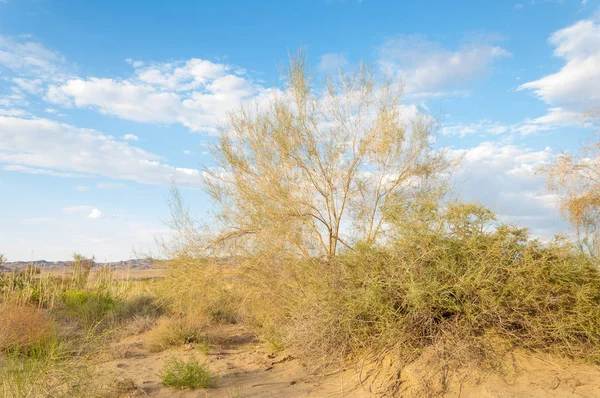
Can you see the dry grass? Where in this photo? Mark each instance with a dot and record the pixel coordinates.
(177, 331)
(24, 328)
(52, 328)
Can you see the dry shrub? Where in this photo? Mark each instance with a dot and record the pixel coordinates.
(24, 328)
(203, 286)
(454, 284)
(171, 332)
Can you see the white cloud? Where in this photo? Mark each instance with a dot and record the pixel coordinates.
(504, 177)
(129, 137)
(30, 86)
(183, 76)
(576, 85)
(555, 118)
(95, 213)
(36, 170)
(196, 93)
(134, 63)
(484, 126)
(331, 62)
(54, 112)
(41, 146)
(22, 54)
(81, 188)
(30, 67)
(13, 112)
(430, 70)
(186, 152)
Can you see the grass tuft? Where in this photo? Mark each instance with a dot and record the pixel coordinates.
(191, 374)
(177, 331)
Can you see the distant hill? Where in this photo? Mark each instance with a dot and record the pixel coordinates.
(142, 263)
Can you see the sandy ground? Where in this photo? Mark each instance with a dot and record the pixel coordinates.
(244, 368)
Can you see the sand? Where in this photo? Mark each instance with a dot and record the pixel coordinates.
(244, 367)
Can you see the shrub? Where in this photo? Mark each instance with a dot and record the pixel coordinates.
(177, 331)
(89, 308)
(203, 286)
(180, 374)
(456, 284)
(25, 330)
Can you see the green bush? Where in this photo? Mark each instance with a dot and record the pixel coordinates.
(452, 279)
(89, 308)
(191, 374)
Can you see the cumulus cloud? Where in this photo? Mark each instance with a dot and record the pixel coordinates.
(129, 137)
(576, 86)
(429, 69)
(196, 94)
(41, 146)
(504, 177)
(95, 213)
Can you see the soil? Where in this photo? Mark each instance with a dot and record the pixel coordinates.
(244, 367)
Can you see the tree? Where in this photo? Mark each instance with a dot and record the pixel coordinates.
(312, 171)
(576, 179)
(2, 259)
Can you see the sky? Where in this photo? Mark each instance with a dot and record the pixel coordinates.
(105, 104)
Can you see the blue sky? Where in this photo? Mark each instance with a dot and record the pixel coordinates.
(104, 103)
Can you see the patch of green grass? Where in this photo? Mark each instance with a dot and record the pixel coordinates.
(89, 308)
(181, 374)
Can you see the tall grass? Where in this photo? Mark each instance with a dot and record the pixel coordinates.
(51, 328)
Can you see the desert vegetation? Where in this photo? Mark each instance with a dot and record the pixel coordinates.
(337, 240)
(51, 326)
